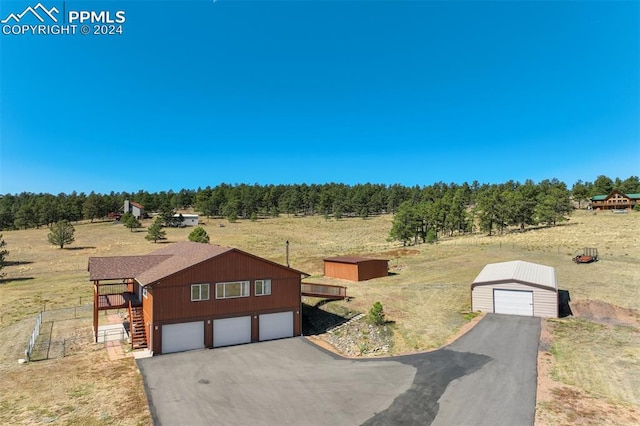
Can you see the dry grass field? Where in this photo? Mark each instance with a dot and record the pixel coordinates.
(588, 365)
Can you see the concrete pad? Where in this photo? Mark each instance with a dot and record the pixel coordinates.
(111, 333)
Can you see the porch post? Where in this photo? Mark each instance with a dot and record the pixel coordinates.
(96, 284)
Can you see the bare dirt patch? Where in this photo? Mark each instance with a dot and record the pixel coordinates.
(605, 313)
(609, 395)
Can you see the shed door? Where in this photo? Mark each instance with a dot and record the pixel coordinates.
(276, 326)
(182, 337)
(513, 302)
(231, 331)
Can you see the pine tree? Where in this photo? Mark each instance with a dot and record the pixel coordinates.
(61, 233)
(132, 222)
(155, 231)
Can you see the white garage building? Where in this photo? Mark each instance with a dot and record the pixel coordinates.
(516, 288)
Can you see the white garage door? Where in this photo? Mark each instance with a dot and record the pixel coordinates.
(231, 331)
(182, 337)
(276, 326)
(513, 302)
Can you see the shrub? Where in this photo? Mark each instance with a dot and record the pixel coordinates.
(376, 314)
(199, 235)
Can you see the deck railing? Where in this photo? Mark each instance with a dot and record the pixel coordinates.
(113, 288)
(324, 290)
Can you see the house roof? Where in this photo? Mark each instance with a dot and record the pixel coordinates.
(117, 267)
(615, 191)
(161, 263)
(518, 271)
(352, 259)
(138, 205)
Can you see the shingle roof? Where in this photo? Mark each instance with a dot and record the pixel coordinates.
(117, 267)
(182, 255)
(518, 271)
(158, 264)
(351, 259)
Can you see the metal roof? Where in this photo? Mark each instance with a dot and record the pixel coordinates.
(352, 259)
(518, 271)
(604, 197)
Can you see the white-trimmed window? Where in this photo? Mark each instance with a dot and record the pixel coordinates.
(144, 292)
(232, 289)
(262, 287)
(199, 292)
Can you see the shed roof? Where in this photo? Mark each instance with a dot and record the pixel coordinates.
(518, 271)
(158, 264)
(352, 259)
(138, 205)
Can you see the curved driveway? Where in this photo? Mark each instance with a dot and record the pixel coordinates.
(488, 376)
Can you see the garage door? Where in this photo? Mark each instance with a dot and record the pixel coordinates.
(513, 302)
(182, 337)
(276, 326)
(231, 331)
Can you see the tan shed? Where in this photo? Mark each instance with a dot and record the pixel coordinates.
(355, 268)
(516, 288)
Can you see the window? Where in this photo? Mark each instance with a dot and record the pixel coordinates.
(232, 289)
(199, 292)
(144, 292)
(263, 287)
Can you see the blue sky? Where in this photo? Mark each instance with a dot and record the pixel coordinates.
(198, 93)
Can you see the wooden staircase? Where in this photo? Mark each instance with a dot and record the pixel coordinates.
(138, 331)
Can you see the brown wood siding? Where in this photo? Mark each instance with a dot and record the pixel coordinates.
(372, 269)
(147, 313)
(345, 271)
(172, 295)
(361, 271)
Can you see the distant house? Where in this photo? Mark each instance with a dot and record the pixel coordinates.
(188, 219)
(355, 268)
(190, 296)
(136, 209)
(616, 200)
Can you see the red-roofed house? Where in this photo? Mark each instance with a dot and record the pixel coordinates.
(191, 296)
(136, 209)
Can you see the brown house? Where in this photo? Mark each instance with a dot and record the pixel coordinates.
(615, 200)
(191, 296)
(355, 268)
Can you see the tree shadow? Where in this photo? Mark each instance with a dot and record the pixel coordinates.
(8, 280)
(79, 248)
(17, 262)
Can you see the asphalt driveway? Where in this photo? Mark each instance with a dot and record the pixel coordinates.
(486, 377)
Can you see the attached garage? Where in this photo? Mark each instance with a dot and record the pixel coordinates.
(276, 326)
(231, 331)
(516, 288)
(182, 337)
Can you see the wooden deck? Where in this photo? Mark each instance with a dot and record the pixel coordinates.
(324, 291)
(117, 301)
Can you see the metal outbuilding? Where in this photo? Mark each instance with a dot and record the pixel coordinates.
(516, 288)
(355, 268)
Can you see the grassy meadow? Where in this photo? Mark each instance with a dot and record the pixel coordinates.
(427, 297)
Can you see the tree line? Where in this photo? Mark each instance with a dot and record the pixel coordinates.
(443, 207)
